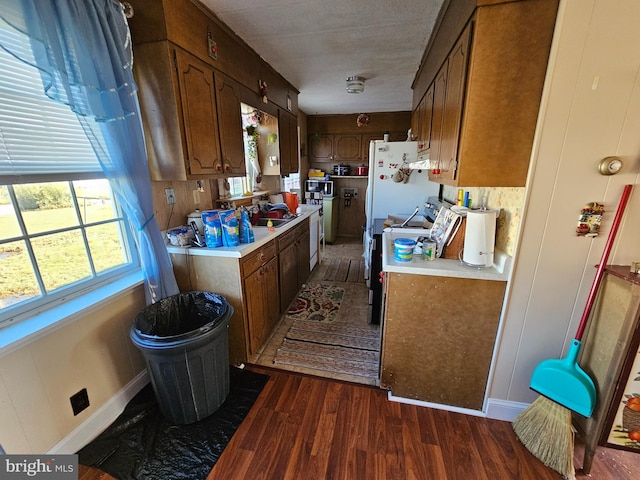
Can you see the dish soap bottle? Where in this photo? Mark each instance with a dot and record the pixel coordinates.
(270, 226)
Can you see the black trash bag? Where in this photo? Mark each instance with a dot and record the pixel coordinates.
(181, 314)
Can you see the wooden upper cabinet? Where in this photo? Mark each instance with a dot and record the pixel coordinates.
(346, 148)
(437, 117)
(321, 147)
(450, 107)
(487, 94)
(415, 122)
(288, 140)
(335, 148)
(230, 124)
(426, 114)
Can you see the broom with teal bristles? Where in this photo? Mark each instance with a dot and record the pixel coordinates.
(545, 426)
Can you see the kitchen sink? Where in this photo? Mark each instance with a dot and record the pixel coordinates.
(277, 222)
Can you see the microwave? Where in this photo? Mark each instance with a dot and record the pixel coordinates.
(320, 188)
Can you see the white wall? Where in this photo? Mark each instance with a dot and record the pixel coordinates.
(91, 351)
(590, 110)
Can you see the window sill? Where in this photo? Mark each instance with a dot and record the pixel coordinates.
(22, 332)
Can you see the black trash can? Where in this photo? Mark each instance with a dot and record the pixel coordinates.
(184, 340)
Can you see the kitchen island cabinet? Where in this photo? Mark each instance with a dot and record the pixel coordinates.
(440, 323)
(438, 337)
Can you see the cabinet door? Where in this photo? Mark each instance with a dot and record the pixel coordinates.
(346, 148)
(230, 124)
(288, 274)
(271, 301)
(415, 122)
(263, 306)
(288, 140)
(256, 314)
(439, 92)
(284, 141)
(452, 115)
(303, 254)
(199, 115)
(426, 112)
(293, 143)
(321, 148)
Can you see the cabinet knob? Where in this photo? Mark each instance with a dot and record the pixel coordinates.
(227, 167)
(262, 257)
(219, 168)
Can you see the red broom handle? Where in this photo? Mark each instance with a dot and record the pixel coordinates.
(603, 262)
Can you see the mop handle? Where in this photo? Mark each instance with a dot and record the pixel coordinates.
(603, 262)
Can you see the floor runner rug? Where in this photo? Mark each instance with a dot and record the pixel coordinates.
(344, 270)
(317, 302)
(141, 444)
(331, 348)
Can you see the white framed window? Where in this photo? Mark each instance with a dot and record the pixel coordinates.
(62, 233)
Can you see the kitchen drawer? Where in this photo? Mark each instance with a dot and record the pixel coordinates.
(258, 258)
(288, 237)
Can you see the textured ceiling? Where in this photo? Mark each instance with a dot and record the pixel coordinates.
(317, 44)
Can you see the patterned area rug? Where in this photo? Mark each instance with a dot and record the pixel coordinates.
(336, 348)
(345, 270)
(317, 302)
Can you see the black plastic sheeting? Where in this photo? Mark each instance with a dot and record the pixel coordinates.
(142, 445)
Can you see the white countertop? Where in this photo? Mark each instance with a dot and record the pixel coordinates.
(262, 236)
(441, 267)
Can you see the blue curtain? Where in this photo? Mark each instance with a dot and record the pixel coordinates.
(82, 49)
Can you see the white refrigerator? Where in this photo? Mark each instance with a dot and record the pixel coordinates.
(388, 193)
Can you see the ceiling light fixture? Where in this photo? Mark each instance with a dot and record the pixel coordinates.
(355, 84)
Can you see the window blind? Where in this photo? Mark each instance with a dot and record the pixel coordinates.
(38, 137)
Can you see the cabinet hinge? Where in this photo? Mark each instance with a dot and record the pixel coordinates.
(175, 61)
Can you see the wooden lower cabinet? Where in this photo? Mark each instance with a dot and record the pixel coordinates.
(438, 338)
(294, 254)
(263, 307)
(254, 285)
(250, 285)
(288, 275)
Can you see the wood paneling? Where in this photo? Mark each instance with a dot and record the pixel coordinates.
(351, 219)
(378, 122)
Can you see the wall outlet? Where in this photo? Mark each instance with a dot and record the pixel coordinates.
(196, 197)
(79, 401)
(171, 196)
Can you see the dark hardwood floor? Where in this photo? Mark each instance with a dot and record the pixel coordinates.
(304, 427)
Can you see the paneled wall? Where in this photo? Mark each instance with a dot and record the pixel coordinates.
(590, 110)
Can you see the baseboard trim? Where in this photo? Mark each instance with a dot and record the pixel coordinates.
(504, 409)
(438, 406)
(495, 409)
(101, 418)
